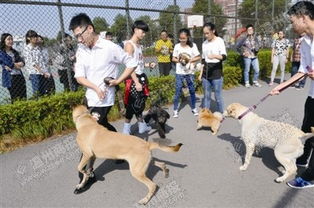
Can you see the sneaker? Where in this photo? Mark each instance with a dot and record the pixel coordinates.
(175, 114)
(195, 112)
(256, 84)
(300, 183)
(247, 85)
(271, 83)
(298, 87)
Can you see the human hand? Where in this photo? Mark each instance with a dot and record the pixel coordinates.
(311, 75)
(101, 94)
(275, 91)
(7, 68)
(211, 56)
(47, 75)
(138, 86)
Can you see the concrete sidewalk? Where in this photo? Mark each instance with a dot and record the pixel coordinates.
(205, 173)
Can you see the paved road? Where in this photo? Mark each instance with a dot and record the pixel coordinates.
(205, 173)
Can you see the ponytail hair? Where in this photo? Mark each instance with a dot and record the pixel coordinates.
(189, 42)
(211, 27)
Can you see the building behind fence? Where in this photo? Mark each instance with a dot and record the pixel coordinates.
(50, 19)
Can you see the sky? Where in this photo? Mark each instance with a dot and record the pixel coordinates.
(18, 19)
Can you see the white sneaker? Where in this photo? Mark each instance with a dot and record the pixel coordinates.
(195, 112)
(247, 85)
(256, 84)
(175, 114)
(143, 127)
(126, 128)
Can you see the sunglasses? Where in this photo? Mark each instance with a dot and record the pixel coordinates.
(77, 36)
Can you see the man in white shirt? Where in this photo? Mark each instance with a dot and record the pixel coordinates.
(302, 19)
(96, 59)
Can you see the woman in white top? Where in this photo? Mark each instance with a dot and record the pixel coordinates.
(136, 87)
(214, 52)
(279, 55)
(34, 63)
(184, 53)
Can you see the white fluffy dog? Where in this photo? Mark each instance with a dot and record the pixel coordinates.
(284, 138)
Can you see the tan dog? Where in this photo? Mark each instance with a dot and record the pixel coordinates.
(208, 119)
(284, 138)
(95, 141)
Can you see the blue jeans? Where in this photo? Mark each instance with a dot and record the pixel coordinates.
(216, 84)
(247, 65)
(294, 70)
(179, 85)
(37, 84)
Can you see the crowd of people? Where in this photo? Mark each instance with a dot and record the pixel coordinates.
(97, 58)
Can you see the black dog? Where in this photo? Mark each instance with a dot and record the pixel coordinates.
(160, 116)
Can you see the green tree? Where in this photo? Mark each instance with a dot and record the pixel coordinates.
(201, 6)
(119, 27)
(264, 23)
(153, 33)
(166, 20)
(100, 24)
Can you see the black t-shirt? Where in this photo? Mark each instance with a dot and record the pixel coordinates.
(212, 71)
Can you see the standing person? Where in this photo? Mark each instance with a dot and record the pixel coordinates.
(96, 59)
(136, 87)
(279, 55)
(302, 19)
(163, 49)
(295, 60)
(34, 63)
(12, 76)
(64, 61)
(214, 52)
(48, 82)
(248, 47)
(188, 49)
(173, 65)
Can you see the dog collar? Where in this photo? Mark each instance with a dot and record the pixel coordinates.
(86, 112)
(246, 112)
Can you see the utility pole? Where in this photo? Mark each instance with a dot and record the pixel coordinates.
(236, 18)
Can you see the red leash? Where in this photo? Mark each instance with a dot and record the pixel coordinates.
(264, 98)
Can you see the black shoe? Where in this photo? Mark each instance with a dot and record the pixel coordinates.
(119, 162)
(89, 183)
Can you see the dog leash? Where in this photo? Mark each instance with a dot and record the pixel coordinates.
(253, 107)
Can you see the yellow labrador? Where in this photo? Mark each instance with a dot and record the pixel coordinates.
(95, 141)
(284, 138)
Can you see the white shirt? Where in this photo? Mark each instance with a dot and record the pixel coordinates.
(97, 63)
(192, 52)
(216, 46)
(307, 59)
(138, 56)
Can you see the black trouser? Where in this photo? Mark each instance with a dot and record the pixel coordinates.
(308, 122)
(103, 120)
(164, 68)
(18, 87)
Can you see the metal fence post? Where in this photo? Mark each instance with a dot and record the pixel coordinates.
(127, 11)
(67, 60)
(175, 22)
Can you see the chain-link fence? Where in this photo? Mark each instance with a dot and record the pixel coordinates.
(50, 19)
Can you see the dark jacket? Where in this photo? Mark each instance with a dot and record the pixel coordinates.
(6, 60)
(240, 45)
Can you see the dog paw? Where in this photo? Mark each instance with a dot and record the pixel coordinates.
(243, 167)
(78, 186)
(143, 201)
(166, 173)
(280, 179)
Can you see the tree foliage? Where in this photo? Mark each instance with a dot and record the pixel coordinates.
(201, 6)
(264, 16)
(100, 24)
(166, 20)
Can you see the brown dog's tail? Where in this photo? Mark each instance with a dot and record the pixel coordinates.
(154, 145)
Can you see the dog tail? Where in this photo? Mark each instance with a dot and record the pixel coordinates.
(154, 145)
(218, 115)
